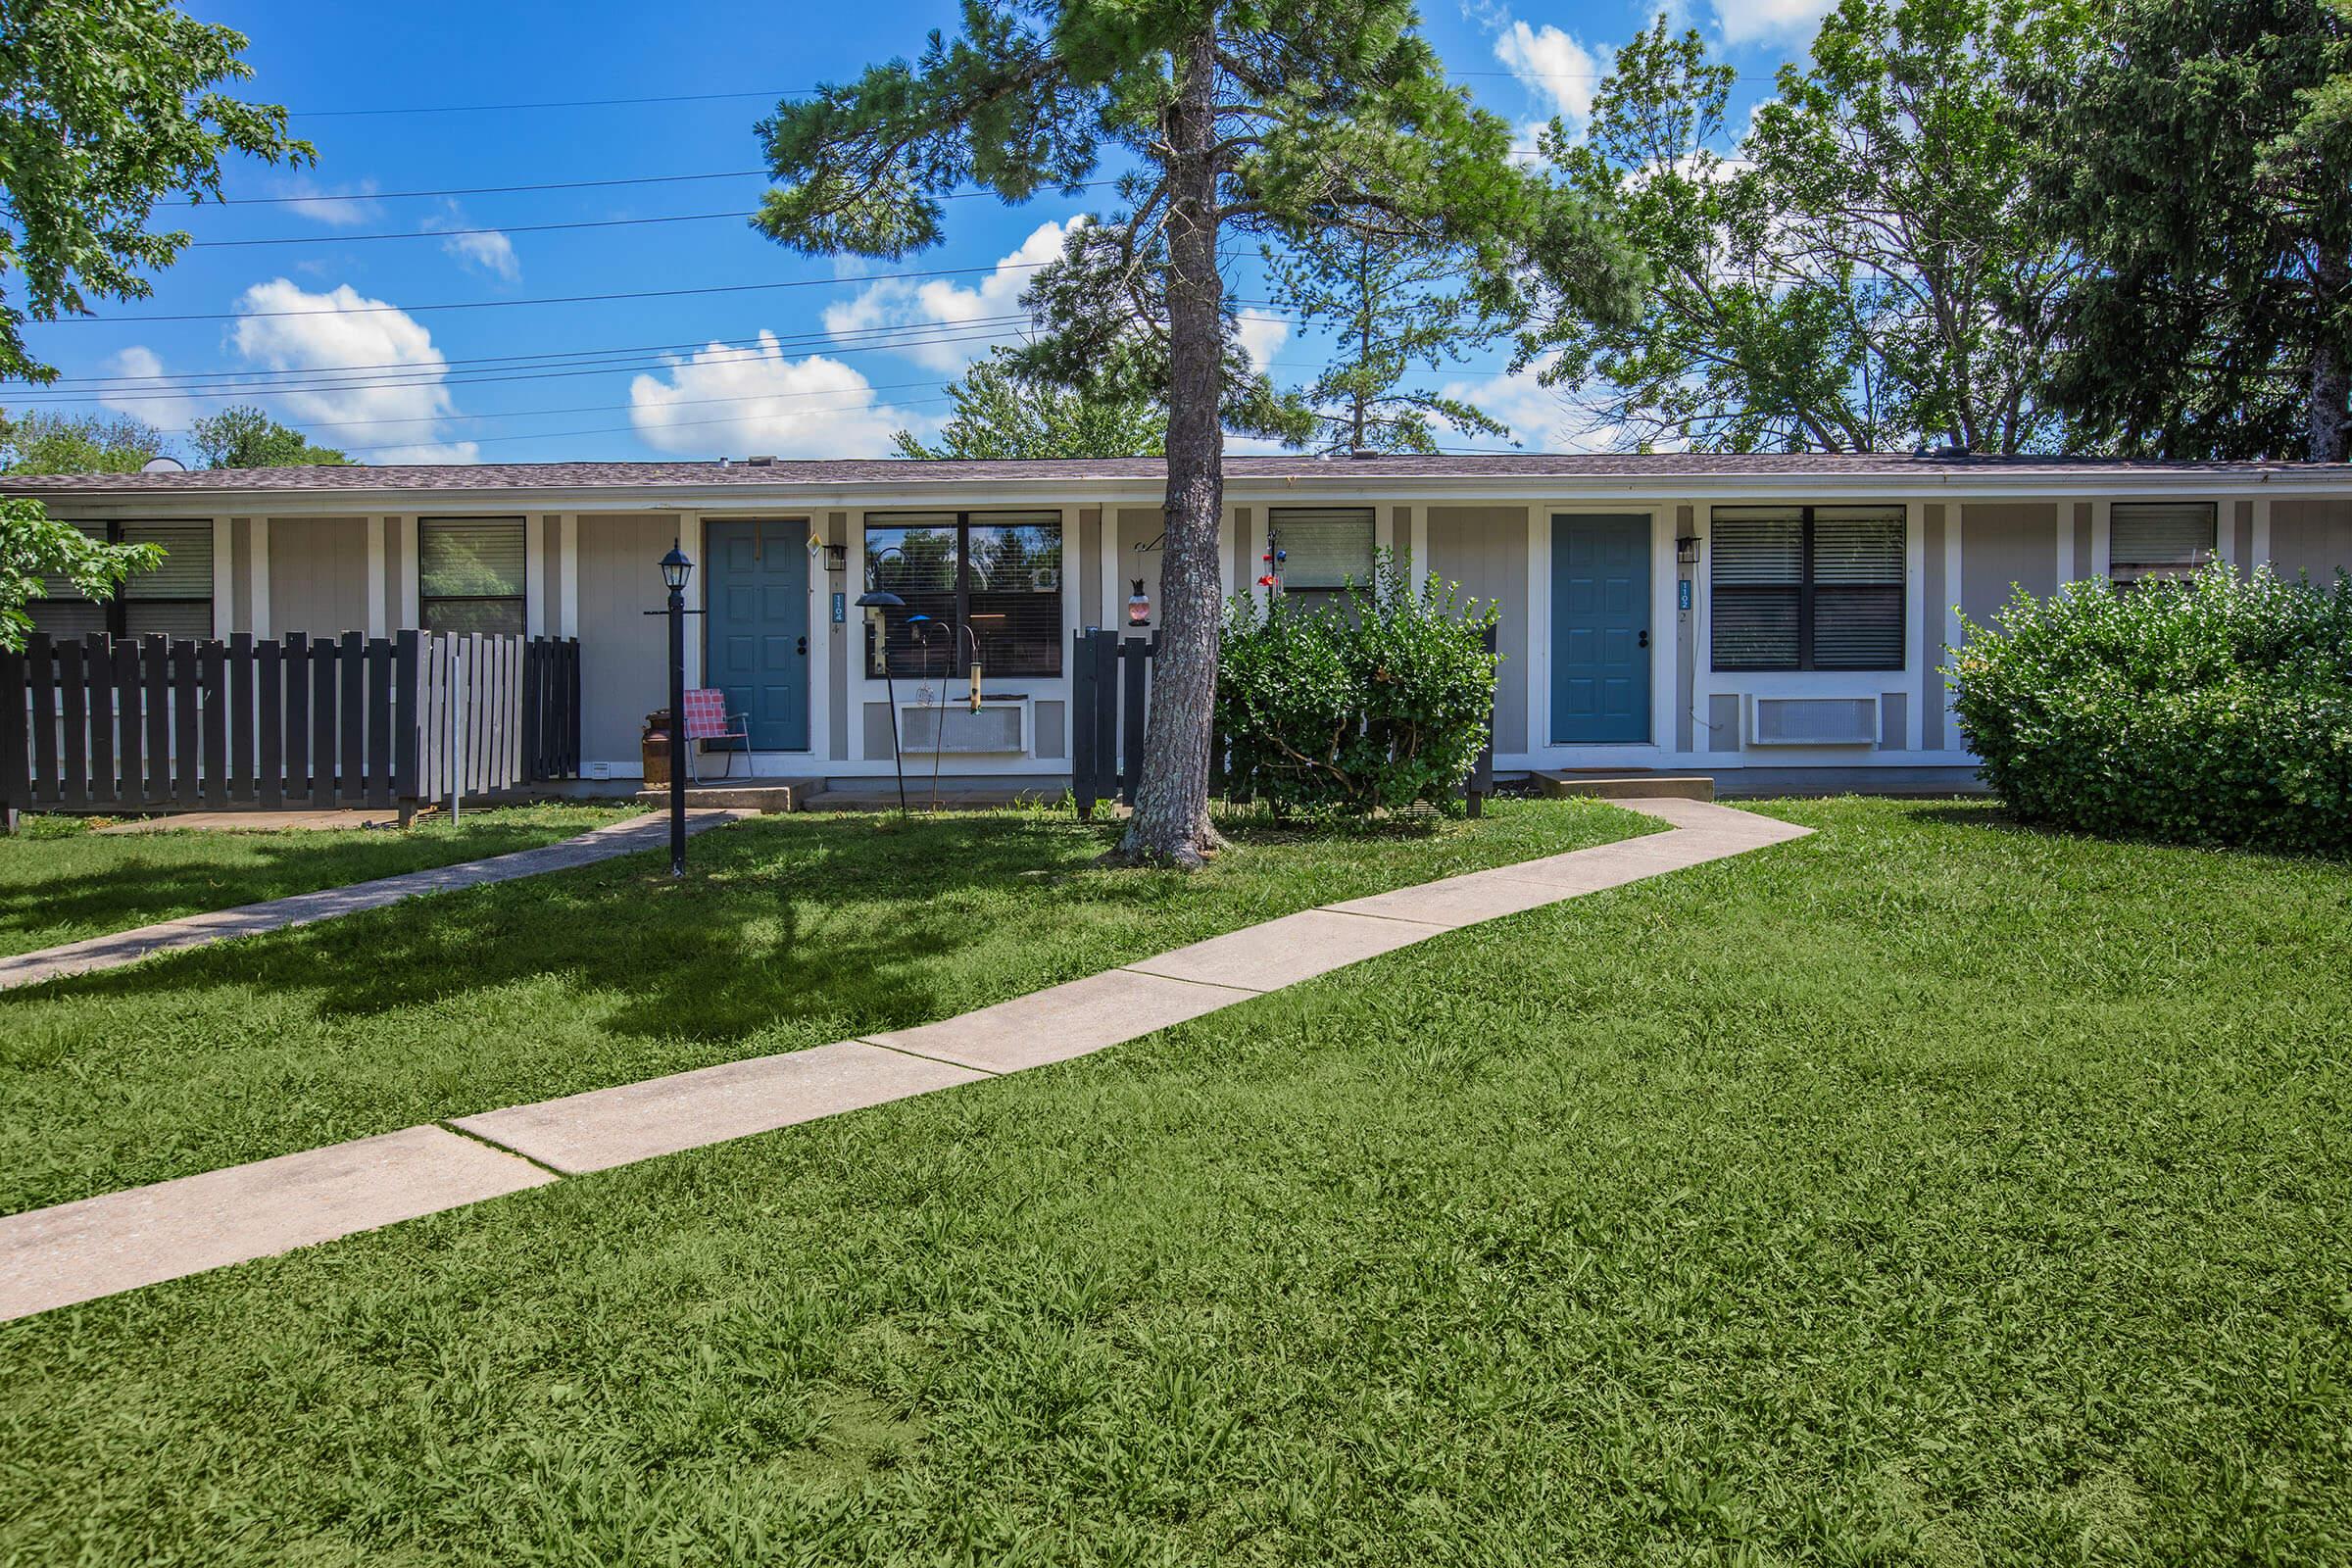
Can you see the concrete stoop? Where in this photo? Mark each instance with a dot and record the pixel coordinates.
(1607, 786)
(767, 797)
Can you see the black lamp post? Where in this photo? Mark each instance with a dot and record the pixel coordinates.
(879, 598)
(675, 569)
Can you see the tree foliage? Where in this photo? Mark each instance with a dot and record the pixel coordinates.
(104, 110)
(1865, 271)
(34, 545)
(1003, 412)
(1393, 308)
(244, 438)
(1347, 710)
(1266, 119)
(42, 442)
(2198, 164)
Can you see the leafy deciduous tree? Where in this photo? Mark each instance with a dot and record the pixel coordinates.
(1271, 119)
(41, 442)
(34, 545)
(245, 437)
(1001, 412)
(1866, 271)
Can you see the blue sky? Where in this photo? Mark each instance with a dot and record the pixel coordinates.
(853, 357)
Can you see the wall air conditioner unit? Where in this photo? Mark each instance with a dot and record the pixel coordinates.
(1000, 728)
(1812, 721)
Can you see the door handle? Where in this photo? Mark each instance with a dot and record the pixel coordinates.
(1643, 641)
(803, 650)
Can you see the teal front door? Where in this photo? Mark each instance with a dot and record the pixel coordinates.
(756, 628)
(1599, 630)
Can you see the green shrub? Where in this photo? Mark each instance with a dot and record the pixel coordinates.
(2216, 711)
(1374, 703)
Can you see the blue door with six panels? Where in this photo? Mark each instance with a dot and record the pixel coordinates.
(1599, 630)
(755, 632)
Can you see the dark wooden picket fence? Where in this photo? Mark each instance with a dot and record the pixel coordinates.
(1110, 701)
(105, 724)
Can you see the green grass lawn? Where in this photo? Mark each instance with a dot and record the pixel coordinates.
(1924, 1191)
(60, 882)
(789, 932)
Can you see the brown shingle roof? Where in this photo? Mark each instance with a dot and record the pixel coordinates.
(901, 473)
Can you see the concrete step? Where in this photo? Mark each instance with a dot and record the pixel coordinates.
(766, 796)
(1608, 786)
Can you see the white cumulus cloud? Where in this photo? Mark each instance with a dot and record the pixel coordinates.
(742, 401)
(1541, 418)
(396, 407)
(1747, 21)
(1555, 70)
(151, 400)
(1261, 336)
(948, 305)
(344, 207)
(485, 249)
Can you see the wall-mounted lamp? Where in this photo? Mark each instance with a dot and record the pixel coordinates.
(837, 558)
(1686, 550)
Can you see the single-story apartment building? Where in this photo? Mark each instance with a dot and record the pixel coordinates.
(1725, 614)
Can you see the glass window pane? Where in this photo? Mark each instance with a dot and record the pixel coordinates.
(1754, 628)
(141, 619)
(1757, 547)
(1323, 547)
(2159, 539)
(66, 617)
(187, 568)
(914, 556)
(1857, 629)
(471, 557)
(1013, 596)
(1857, 545)
(474, 614)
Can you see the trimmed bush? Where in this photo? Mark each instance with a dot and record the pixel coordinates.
(2215, 710)
(1374, 703)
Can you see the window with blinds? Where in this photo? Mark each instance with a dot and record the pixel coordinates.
(1324, 548)
(470, 574)
(976, 584)
(2158, 539)
(1806, 588)
(175, 600)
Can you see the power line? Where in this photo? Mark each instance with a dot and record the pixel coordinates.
(324, 196)
(552, 103)
(554, 299)
(455, 234)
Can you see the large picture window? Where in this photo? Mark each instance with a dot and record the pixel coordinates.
(1324, 550)
(175, 600)
(2158, 539)
(981, 586)
(1807, 588)
(469, 573)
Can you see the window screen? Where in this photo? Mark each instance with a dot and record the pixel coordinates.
(1324, 548)
(2158, 539)
(1807, 588)
(977, 584)
(175, 600)
(469, 573)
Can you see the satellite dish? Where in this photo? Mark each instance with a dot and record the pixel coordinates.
(162, 466)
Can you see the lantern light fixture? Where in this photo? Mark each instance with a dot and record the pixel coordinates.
(1686, 550)
(675, 569)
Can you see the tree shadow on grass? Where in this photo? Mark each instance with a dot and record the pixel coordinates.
(820, 917)
(149, 885)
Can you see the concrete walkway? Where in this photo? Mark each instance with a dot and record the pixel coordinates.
(305, 909)
(77, 1252)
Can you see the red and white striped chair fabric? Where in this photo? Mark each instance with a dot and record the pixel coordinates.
(707, 719)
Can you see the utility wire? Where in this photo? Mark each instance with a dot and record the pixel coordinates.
(453, 234)
(554, 299)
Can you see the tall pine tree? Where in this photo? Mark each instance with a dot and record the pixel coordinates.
(1271, 119)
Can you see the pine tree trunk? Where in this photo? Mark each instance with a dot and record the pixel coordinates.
(1171, 822)
(2330, 367)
